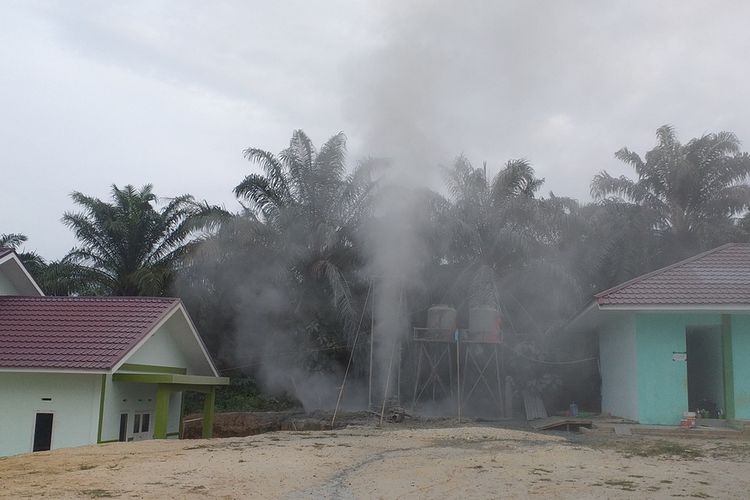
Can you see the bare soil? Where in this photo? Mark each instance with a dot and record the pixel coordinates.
(240, 424)
(392, 462)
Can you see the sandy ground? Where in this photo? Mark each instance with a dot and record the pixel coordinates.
(366, 462)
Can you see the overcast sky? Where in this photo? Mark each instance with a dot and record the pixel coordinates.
(171, 92)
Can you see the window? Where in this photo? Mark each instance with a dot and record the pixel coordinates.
(141, 426)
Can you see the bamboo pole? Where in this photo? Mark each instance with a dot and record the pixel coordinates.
(402, 310)
(387, 383)
(351, 356)
(372, 345)
(458, 372)
(390, 363)
(416, 379)
(499, 383)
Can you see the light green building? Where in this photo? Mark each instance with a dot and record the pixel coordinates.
(676, 340)
(86, 370)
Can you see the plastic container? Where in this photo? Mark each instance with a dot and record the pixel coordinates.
(573, 410)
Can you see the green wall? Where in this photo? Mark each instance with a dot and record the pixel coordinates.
(662, 382)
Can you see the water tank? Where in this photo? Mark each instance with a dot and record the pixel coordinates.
(441, 317)
(484, 319)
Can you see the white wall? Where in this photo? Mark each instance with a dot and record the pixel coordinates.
(617, 359)
(76, 397)
(162, 349)
(121, 397)
(14, 280)
(173, 344)
(75, 405)
(131, 398)
(6, 287)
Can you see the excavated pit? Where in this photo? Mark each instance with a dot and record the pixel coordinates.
(237, 424)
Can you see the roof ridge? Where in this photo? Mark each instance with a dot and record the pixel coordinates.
(651, 274)
(6, 251)
(109, 298)
(48, 332)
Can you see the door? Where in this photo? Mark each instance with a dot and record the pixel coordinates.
(43, 432)
(705, 371)
(142, 426)
(123, 427)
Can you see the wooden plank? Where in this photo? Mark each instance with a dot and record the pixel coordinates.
(554, 422)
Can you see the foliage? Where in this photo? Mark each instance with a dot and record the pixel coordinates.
(12, 240)
(242, 394)
(307, 199)
(61, 277)
(289, 259)
(127, 246)
(279, 288)
(610, 242)
(504, 243)
(33, 262)
(692, 192)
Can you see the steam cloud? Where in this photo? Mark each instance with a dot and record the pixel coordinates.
(503, 80)
(510, 79)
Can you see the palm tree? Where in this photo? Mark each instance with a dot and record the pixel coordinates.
(503, 236)
(611, 243)
(33, 262)
(314, 208)
(693, 191)
(283, 274)
(12, 240)
(128, 246)
(61, 277)
(505, 252)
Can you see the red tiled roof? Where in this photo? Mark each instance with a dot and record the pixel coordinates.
(5, 251)
(90, 333)
(718, 277)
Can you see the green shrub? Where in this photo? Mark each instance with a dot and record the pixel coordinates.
(242, 394)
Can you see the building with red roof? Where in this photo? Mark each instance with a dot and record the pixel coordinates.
(86, 370)
(676, 340)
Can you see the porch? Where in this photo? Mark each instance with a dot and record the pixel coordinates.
(174, 382)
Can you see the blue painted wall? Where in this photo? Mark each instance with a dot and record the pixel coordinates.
(741, 363)
(662, 382)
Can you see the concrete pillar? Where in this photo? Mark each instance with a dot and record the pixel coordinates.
(161, 416)
(727, 357)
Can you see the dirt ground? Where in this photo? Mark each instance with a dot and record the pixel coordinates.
(392, 462)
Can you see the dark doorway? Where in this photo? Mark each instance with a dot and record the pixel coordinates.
(705, 371)
(43, 432)
(123, 427)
